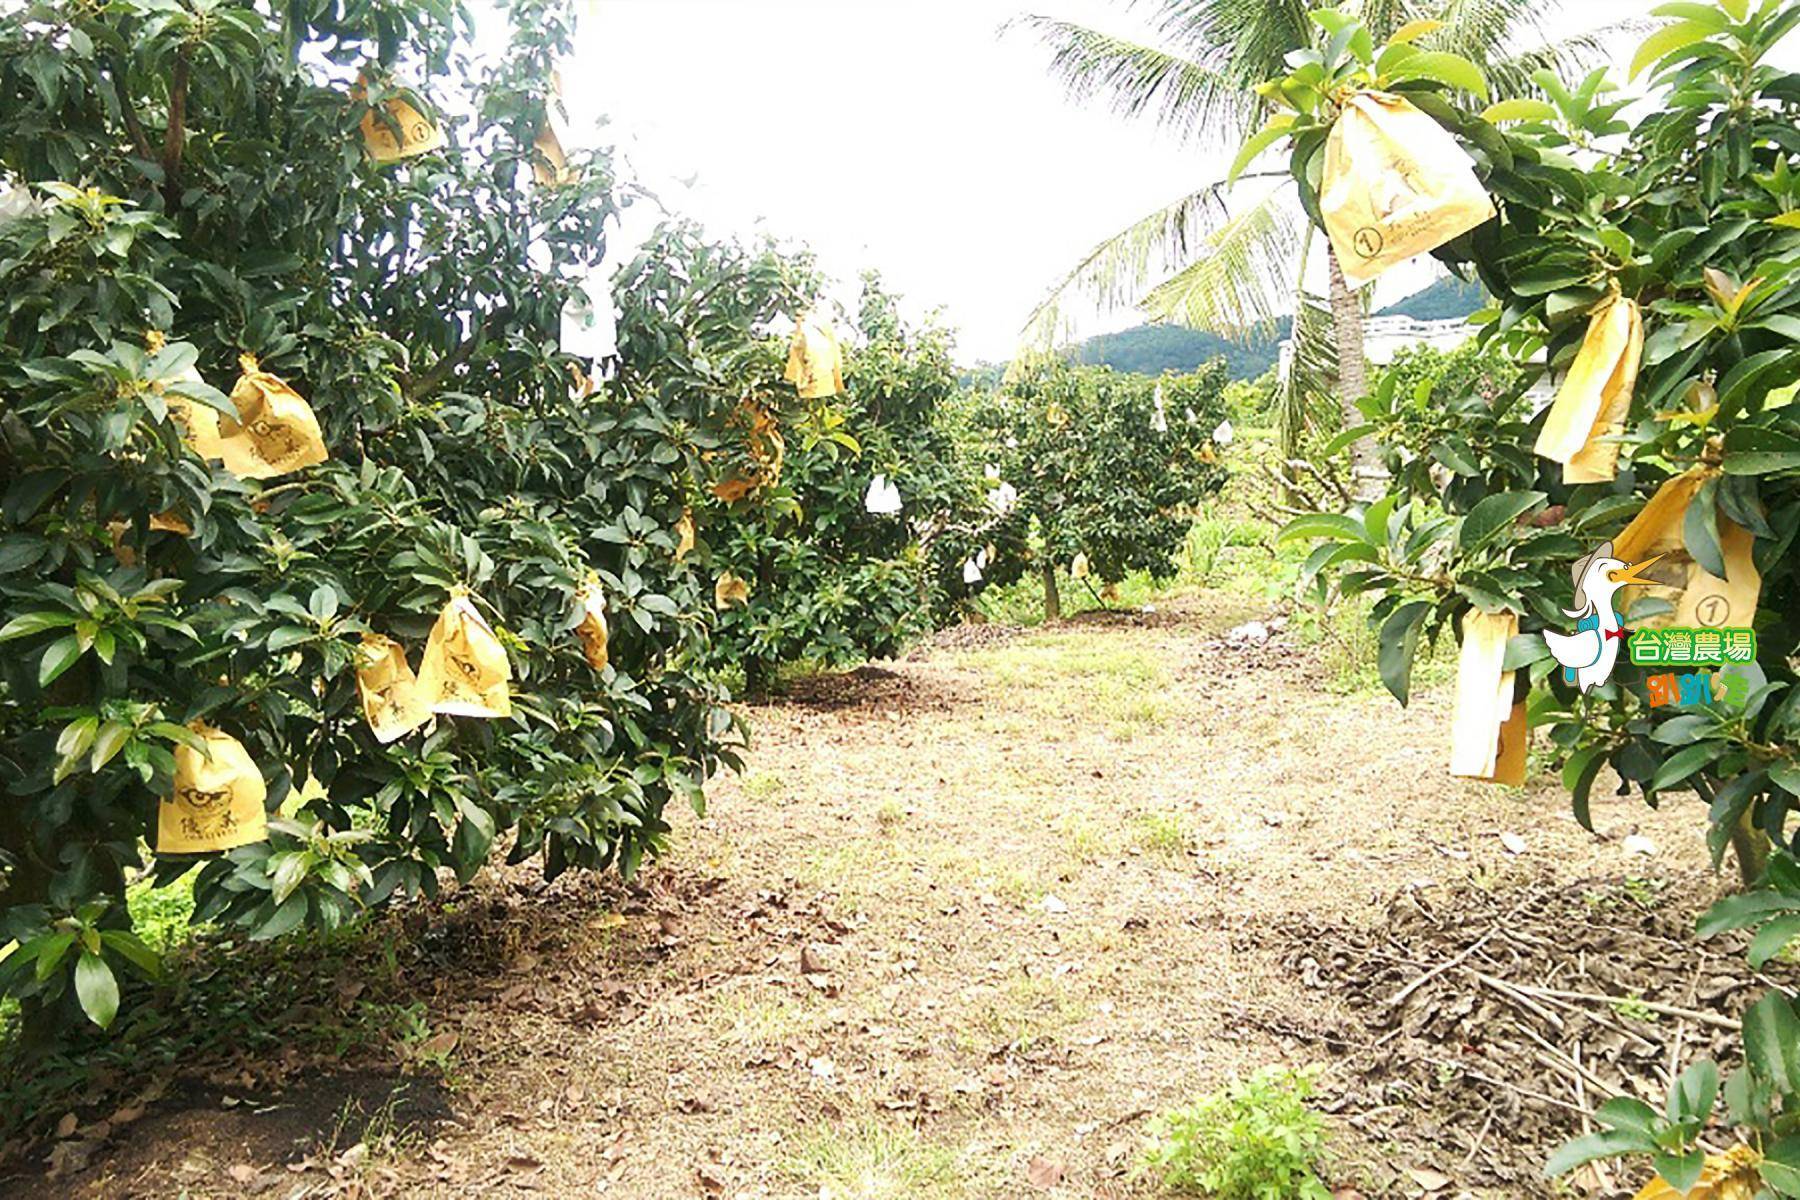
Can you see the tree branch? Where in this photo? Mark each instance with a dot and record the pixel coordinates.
(175, 136)
(128, 111)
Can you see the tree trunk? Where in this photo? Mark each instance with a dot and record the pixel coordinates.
(1052, 599)
(1750, 846)
(1368, 479)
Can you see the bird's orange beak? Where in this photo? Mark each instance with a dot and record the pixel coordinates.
(1635, 572)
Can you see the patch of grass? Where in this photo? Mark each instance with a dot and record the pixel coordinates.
(161, 915)
(765, 787)
(1085, 839)
(1226, 547)
(1254, 1139)
(1350, 648)
(890, 815)
(875, 1161)
(758, 1017)
(1028, 1011)
(1163, 833)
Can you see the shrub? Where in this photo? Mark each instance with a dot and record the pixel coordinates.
(1695, 220)
(227, 205)
(1254, 1139)
(833, 582)
(1106, 465)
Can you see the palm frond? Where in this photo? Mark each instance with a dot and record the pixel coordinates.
(1240, 274)
(1116, 273)
(1307, 400)
(1139, 80)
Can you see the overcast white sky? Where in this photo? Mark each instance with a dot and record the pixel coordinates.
(904, 135)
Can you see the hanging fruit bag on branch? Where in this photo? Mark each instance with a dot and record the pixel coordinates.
(1488, 731)
(1595, 397)
(276, 430)
(591, 630)
(396, 128)
(391, 700)
(217, 799)
(815, 364)
(1691, 595)
(1396, 184)
(465, 670)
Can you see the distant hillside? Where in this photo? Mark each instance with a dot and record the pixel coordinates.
(1448, 297)
(1153, 349)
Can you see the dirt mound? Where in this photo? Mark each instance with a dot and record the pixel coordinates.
(871, 687)
(246, 1142)
(1475, 1027)
(972, 635)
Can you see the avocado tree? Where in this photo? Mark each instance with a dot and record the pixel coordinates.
(1107, 467)
(1688, 236)
(366, 236)
(830, 543)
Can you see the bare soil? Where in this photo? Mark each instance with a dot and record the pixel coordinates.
(969, 920)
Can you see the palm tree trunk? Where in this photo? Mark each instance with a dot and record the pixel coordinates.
(1367, 477)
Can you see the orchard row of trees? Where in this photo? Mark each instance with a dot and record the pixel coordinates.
(340, 547)
(1656, 284)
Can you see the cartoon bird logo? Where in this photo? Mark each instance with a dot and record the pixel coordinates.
(1589, 654)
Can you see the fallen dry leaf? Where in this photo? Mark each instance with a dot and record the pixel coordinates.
(1428, 1179)
(1043, 1173)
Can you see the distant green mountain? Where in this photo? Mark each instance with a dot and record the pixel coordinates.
(1448, 297)
(1153, 349)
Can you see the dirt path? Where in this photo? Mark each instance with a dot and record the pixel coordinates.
(961, 926)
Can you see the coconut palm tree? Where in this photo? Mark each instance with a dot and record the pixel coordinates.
(1231, 255)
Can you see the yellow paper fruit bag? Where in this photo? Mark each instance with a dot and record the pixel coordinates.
(418, 134)
(1732, 1175)
(1395, 184)
(276, 431)
(217, 802)
(684, 534)
(1701, 599)
(1487, 730)
(592, 629)
(1595, 397)
(815, 364)
(391, 701)
(465, 670)
(730, 590)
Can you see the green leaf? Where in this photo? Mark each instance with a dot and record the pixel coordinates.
(1606, 1144)
(1741, 910)
(1694, 1093)
(1757, 450)
(1519, 109)
(1780, 1167)
(1443, 67)
(1680, 1171)
(1665, 41)
(1259, 141)
(1492, 515)
(1772, 938)
(1683, 763)
(59, 656)
(97, 990)
(1399, 646)
(29, 623)
(1578, 777)
(134, 951)
(1336, 526)
(1627, 1112)
(285, 919)
(1771, 1035)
